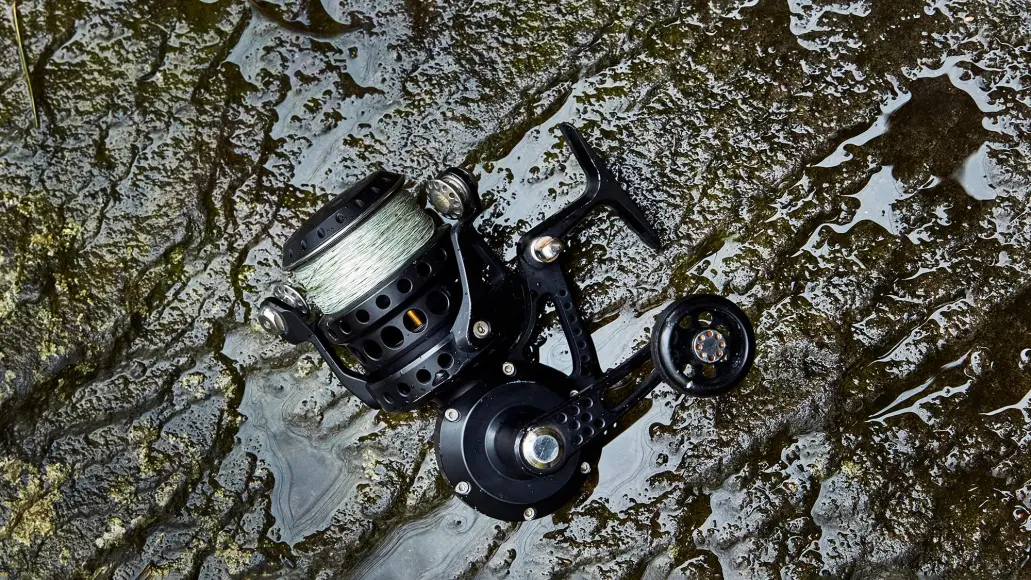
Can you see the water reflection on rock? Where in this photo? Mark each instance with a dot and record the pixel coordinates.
(855, 174)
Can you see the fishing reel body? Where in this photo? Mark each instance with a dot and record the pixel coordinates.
(452, 325)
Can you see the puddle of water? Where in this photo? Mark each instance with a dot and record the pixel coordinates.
(878, 128)
(314, 476)
(446, 543)
(973, 176)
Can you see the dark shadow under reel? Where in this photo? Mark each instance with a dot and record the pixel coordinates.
(434, 317)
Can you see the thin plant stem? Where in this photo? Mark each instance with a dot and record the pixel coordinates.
(24, 61)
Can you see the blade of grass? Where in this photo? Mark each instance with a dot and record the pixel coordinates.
(24, 61)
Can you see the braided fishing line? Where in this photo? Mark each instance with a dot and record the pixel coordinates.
(357, 264)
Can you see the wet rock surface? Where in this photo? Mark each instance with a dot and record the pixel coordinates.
(855, 174)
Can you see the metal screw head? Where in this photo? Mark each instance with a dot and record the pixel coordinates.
(508, 368)
(481, 329)
(291, 297)
(452, 415)
(547, 249)
(529, 514)
(447, 194)
(462, 488)
(585, 468)
(709, 346)
(271, 320)
(542, 447)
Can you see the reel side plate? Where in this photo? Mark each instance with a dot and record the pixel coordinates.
(476, 444)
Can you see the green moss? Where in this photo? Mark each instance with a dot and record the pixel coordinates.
(114, 535)
(237, 559)
(32, 511)
(851, 469)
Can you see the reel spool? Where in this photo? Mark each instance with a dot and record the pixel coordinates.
(434, 317)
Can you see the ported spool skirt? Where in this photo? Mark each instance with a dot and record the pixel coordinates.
(356, 241)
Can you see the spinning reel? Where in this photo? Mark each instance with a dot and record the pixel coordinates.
(434, 317)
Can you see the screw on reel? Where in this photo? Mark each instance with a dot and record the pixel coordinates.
(703, 345)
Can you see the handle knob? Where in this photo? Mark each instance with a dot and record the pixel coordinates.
(703, 345)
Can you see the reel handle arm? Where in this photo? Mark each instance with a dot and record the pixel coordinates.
(550, 280)
(584, 417)
(602, 189)
(701, 345)
(293, 328)
(545, 277)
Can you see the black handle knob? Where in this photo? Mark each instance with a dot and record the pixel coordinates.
(703, 345)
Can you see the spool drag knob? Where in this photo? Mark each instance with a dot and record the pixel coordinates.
(703, 345)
